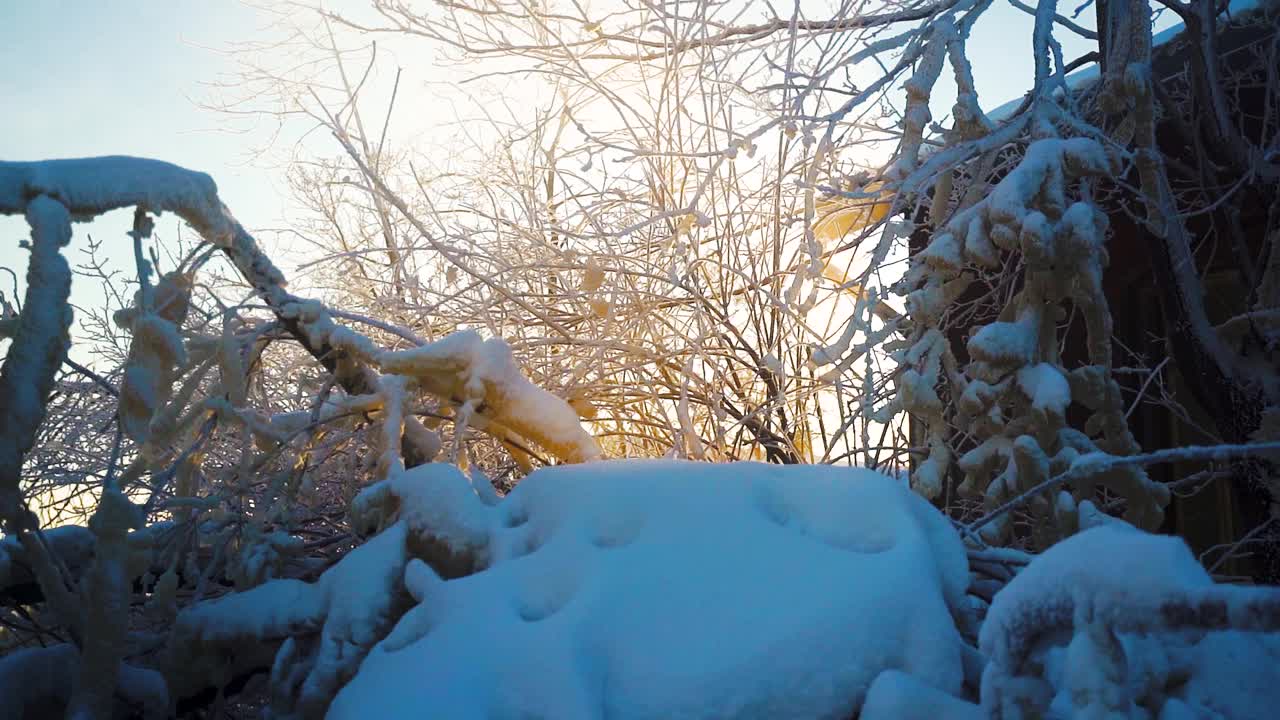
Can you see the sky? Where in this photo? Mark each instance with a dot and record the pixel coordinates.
(126, 77)
(90, 78)
(123, 78)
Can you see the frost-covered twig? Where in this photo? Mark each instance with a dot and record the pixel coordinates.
(1098, 463)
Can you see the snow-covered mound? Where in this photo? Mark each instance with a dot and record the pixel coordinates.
(634, 589)
(1114, 622)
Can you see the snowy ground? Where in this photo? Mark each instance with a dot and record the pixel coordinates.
(677, 590)
(667, 589)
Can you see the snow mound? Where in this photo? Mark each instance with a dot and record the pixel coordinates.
(1114, 622)
(643, 589)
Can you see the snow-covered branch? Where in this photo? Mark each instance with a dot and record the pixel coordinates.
(95, 185)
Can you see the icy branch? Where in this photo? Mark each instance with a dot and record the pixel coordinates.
(95, 185)
(39, 344)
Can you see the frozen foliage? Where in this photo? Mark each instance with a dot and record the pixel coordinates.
(355, 602)
(156, 349)
(480, 375)
(628, 589)
(1145, 634)
(1011, 398)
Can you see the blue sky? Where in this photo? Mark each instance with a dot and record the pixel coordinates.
(122, 78)
(88, 78)
(96, 78)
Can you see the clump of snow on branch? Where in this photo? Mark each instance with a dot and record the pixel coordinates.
(155, 352)
(480, 376)
(1145, 634)
(483, 374)
(1013, 395)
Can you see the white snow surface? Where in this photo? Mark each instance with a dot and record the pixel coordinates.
(1117, 570)
(1046, 387)
(645, 589)
(92, 185)
(1106, 562)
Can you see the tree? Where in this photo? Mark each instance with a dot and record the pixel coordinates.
(1081, 161)
(690, 246)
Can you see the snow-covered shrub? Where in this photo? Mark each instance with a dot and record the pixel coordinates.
(1010, 401)
(637, 589)
(211, 480)
(1146, 634)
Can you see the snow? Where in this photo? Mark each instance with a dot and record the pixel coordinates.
(36, 685)
(944, 253)
(465, 367)
(1135, 562)
(90, 186)
(898, 696)
(643, 589)
(1007, 343)
(428, 499)
(73, 544)
(1047, 388)
(351, 605)
(1041, 172)
(669, 589)
(148, 374)
(1114, 592)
